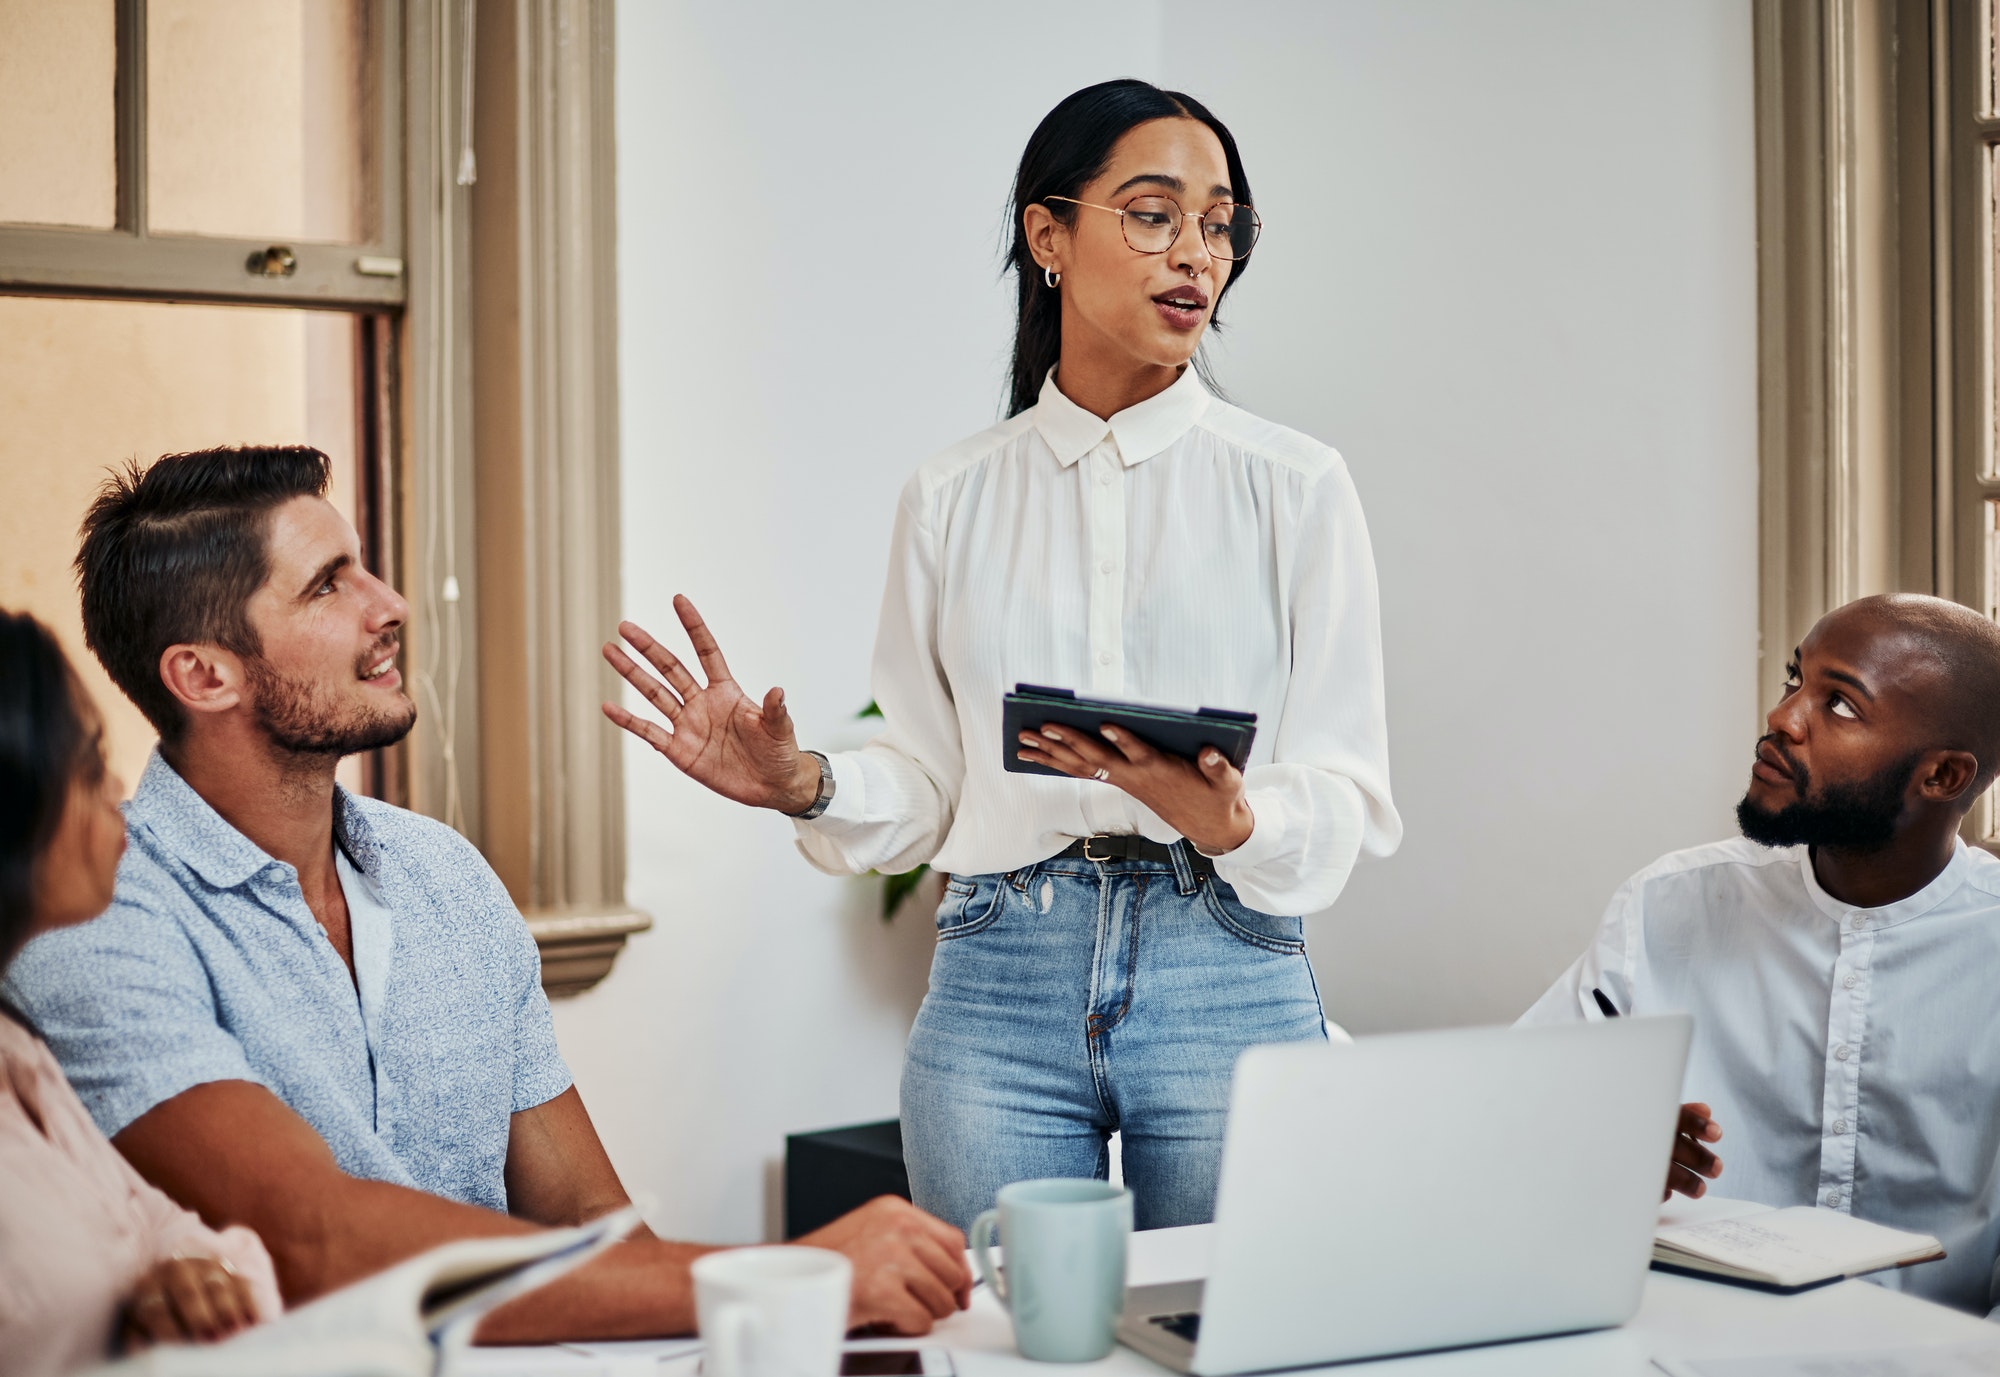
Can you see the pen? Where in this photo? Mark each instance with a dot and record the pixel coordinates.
(1604, 1003)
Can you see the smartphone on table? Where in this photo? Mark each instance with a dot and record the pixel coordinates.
(896, 1362)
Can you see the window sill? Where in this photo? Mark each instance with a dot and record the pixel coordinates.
(579, 945)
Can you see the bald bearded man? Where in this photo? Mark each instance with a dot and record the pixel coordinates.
(1842, 958)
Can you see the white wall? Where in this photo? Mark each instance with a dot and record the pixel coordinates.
(810, 198)
(1508, 272)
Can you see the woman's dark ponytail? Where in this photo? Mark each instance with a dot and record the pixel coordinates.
(1068, 150)
(44, 748)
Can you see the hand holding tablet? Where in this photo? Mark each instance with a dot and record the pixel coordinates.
(1176, 731)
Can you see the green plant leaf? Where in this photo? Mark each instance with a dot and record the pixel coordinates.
(874, 709)
(897, 888)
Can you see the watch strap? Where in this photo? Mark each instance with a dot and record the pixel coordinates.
(824, 798)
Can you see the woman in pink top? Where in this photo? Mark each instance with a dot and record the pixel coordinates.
(92, 1259)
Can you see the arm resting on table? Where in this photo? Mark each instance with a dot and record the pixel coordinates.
(236, 1154)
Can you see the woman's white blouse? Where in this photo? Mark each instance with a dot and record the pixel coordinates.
(1183, 552)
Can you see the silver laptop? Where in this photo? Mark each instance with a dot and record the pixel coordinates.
(1427, 1190)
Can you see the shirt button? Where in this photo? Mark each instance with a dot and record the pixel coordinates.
(1860, 923)
(1104, 657)
(1850, 982)
(1841, 1053)
(1104, 480)
(1840, 1125)
(1106, 567)
(1833, 1199)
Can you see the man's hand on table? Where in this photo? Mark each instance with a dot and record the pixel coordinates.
(1691, 1161)
(909, 1268)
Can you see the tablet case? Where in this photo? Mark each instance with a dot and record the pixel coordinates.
(1173, 730)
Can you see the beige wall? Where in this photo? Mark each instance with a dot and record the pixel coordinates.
(86, 385)
(58, 151)
(254, 123)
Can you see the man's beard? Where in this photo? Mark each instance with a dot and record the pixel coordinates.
(303, 718)
(1860, 816)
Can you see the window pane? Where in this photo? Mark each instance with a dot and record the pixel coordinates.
(85, 385)
(260, 118)
(58, 113)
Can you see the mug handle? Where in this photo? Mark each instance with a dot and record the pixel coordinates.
(982, 1241)
(726, 1345)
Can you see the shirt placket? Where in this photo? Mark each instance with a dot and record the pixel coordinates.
(1846, 1035)
(1107, 569)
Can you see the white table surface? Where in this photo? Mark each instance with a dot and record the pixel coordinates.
(1680, 1317)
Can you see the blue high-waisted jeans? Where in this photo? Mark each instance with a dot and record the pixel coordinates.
(1073, 999)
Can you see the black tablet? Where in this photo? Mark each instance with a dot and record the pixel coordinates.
(1177, 731)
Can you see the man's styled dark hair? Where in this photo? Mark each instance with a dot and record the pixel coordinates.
(171, 555)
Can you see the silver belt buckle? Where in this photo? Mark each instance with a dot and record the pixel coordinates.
(1087, 853)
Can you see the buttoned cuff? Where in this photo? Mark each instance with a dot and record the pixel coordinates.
(849, 803)
(1266, 839)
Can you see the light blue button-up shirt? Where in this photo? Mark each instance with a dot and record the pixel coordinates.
(210, 967)
(1851, 1055)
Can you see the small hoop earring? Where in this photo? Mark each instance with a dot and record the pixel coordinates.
(1051, 276)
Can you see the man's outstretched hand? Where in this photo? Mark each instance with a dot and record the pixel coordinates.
(909, 1268)
(1692, 1161)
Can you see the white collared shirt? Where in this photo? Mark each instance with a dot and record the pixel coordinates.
(1851, 1055)
(1183, 552)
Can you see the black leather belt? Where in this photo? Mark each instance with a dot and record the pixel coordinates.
(1128, 847)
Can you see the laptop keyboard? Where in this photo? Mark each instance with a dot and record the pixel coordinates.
(1188, 1326)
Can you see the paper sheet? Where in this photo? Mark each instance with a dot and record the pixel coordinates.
(659, 1350)
(1956, 1360)
(1681, 1210)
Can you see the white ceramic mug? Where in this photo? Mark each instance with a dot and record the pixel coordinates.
(772, 1312)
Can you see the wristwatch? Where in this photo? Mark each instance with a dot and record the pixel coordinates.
(824, 797)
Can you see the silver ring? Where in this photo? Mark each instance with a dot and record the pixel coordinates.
(1100, 774)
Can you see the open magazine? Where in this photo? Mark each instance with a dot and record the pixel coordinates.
(411, 1320)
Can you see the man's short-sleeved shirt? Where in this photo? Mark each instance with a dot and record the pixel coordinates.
(210, 967)
(1851, 1055)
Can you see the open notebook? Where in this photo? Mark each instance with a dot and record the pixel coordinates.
(1785, 1249)
(409, 1321)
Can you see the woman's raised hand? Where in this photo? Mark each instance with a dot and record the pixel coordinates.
(715, 734)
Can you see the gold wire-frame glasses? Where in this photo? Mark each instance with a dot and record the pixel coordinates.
(1152, 224)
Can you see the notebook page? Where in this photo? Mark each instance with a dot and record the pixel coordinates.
(1682, 1210)
(1798, 1244)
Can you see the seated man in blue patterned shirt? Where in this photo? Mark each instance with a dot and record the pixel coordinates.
(314, 1013)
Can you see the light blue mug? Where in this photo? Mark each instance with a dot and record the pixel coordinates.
(1064, 1283)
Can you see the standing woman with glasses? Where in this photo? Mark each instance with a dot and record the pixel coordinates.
(1110, 941)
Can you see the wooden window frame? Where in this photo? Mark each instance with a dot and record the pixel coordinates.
(1875, 303)
(129, 260)
(531, 513)
(545, 405)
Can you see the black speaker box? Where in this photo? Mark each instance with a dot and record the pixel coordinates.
(837, 1169)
